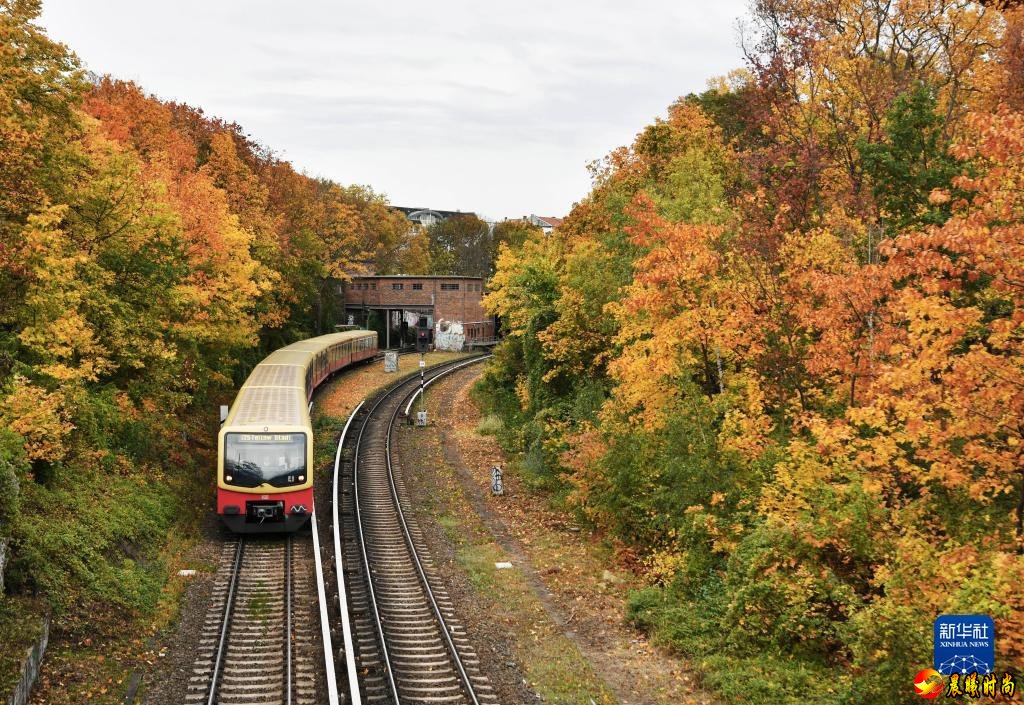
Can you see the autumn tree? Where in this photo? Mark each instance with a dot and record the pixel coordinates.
(778, 348)
(460, 245)
(148, 254)
(512, 233)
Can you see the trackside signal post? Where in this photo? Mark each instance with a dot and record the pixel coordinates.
(421, 415)
(424, 337)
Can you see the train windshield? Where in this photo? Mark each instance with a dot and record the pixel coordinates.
(277, 459)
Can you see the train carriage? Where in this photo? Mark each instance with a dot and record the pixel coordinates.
(265, 446)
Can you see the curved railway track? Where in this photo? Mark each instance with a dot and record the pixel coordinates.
(402, 642)
(392, 623)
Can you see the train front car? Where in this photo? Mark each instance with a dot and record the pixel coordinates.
(265, 451)
(265, 447)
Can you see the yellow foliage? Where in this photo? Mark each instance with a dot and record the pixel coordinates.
(746, 427)
(55, 327)
(40, 417)
(662, 566)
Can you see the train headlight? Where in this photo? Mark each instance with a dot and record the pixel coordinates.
(228, 478)
(302, 478)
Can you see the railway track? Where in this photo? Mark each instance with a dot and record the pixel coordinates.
(391, 622)
(396, 627)
(258, 641)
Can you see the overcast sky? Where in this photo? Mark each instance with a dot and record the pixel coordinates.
(456, 105)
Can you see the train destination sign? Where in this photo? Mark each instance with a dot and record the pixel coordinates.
(264, 437)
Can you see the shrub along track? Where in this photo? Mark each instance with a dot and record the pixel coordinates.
(406, 644)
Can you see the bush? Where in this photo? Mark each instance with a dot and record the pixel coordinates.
(490, 425)
(12, 465)
(92, 537)
(783, 597)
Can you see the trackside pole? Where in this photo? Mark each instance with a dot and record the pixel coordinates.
(421, 415)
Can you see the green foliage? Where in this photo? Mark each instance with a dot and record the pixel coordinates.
(13, 467)
(888, 641)
(490, 425)
(784, 596)
(21, 622)
(512, 233)
(739, 670)
(911, 162)
(112, 560)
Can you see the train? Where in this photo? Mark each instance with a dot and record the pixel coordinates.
(265, 445)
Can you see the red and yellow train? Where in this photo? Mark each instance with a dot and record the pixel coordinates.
(265, 446)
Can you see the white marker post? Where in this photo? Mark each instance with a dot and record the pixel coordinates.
(421, 415)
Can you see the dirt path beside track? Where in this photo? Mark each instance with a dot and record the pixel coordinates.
(558, 608)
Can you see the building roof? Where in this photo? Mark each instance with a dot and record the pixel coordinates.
(442, 214)
(412, 276)
(550, 220)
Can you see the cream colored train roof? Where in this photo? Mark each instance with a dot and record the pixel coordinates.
(275, 392)
(277, 375)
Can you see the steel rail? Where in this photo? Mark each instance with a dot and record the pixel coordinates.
(366, 559)
(346, 625)
(325, 625)
(288, 620)
(440, 370)
(456, 657)
(228, 608)
(378, 623)
(430, 381)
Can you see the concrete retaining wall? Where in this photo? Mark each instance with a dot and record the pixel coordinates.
(30, 668)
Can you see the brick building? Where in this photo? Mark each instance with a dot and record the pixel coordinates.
(447, 300)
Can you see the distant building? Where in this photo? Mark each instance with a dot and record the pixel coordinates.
(545, 223)
(427, 216)
(453, 302)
